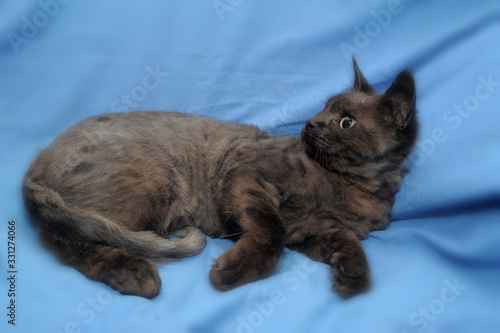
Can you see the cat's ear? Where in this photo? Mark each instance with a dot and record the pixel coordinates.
(400, 98)
(360, 82)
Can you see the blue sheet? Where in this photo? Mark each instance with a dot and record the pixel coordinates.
(272, 64)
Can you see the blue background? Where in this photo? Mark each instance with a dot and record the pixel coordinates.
(272, 64)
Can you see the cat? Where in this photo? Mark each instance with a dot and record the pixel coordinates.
(111, 192)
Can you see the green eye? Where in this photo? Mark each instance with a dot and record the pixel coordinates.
(347, 122)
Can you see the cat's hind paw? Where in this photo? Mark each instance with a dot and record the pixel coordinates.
(132, 276)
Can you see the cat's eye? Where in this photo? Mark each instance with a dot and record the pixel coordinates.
(347, 122)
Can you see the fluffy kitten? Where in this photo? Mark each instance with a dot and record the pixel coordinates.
(109, 192)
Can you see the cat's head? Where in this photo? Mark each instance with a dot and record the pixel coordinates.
(360, 126)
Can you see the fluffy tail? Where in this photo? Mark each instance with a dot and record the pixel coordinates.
(70, 224)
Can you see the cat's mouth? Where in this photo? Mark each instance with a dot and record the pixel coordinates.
(314, 151)
(326, 152)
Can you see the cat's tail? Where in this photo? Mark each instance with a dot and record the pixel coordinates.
(67, 223)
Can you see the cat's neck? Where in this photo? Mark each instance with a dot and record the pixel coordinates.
(379, 174)
(384, 172)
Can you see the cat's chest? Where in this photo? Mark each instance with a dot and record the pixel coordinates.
(318, 202)
(311, 201)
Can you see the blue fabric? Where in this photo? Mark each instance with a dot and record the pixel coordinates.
(273, 64)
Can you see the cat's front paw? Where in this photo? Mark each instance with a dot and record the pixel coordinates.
(350, 272)
(229, 271)
(237, 267)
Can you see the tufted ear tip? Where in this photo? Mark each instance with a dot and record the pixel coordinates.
(401, 97)
(406, 77)
(360, 83)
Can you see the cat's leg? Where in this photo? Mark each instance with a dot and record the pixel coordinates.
(341, 249)
(116, 267)
(256, 253)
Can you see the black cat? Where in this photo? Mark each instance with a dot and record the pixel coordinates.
(109, 192)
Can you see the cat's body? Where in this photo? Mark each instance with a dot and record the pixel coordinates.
(111, 190)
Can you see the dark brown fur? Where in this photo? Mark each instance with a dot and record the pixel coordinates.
(110, 192)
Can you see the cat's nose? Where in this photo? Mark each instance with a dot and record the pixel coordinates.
(310, 124)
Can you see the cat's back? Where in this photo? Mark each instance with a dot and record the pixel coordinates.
(107, 143)
(156, 126)
(147, 130)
